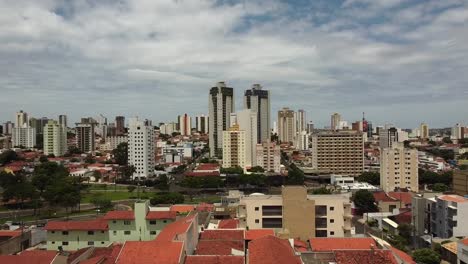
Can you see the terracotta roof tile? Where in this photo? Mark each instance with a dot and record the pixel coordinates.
(214, 260)
(405, 197)
(182, 208)
(222, 234)
(218, 247)
(7, 233)
(271, 249)
(331, 244)
(464, 241)
(146, 252)
(30, 257)
(228, 224)
(180, 226)
(154, 215)
(205, 207)
(120, 215)
(97, 224)
(383, 197)
(453, 198)
(364, 256)
(403, 256)
(258, 233)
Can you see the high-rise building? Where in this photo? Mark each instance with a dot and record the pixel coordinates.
(424, 131)
(168, 128)
(85, 134)
(338, 152)
(55, 138)
(141, 149)
(38, 123)
(24, 136)
(388, 136)
(63, 121)
(234, 151)
(369, 130)
(185, 125)
(1, 129)
(399, 168)
(302, 141)
(310, 127)
(21, 119)
(335, 121)
(247, 121)
(358, 126)
(8, 128)
(300, 121)
(258, 100)
(269, 156)
(221, 105)
(458, 131)
(201, 124)
(120, 125)
(286, 125)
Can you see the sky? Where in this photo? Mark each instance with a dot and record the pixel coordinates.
(401, 62)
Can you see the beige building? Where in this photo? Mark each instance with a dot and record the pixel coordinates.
(55, 138)
(338, 152)
(335, 121)
(295, 214)
(85, 134)
(268, 156)
(399, 168)
(460, 182)
(234, 147)
(424, 129)
(247, 121)
(286, 125)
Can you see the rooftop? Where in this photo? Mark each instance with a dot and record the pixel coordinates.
(180, 226)
(453, 198)
(271, 249)
(120, 215)
(30, 257)
(154, 215)
(252, 234)
(222, 234)
(451, 246)
(228, 224)
(214, 260)
(403, 256)
(219, 247)
(146, 252)
(365, 256)
(96, 224)
(182, 208)
(331, 244)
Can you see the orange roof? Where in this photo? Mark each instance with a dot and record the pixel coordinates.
(383, 197)
(464, 241)
(222, 234)
(205, 207)
(271, 249)
(154, 215)
(30, 257)
(97, 224)
(453, 198)
(182, 208)
(218, 247)
(180, 226)
(146, 252)
(403, 256)
(330, 244)
(228, 223)
(405, 197)
(120, 215)
(8, 233)
(258, 233)
(365, 256)
(214, 260)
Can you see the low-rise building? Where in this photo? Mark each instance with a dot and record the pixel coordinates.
(445, 216)
(462, 251)
(268, 156)
(460, 182)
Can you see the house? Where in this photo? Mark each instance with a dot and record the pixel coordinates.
(271, 249)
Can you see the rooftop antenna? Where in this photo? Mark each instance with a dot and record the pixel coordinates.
(363, 116)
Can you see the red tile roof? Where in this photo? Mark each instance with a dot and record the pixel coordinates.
(222, 234)
(120, 215)
(405, 197)
(464, 241)
(383, 197)
(364, 256)
(403, 256)
(453, 198)
(30, 257)
(97, 224)
(205, 207)
(154, 215)
(146, 252)
(180, 226)
(7, 233)
(331, 244)
(228, 224)
(182, 208)
(271, 249)
(207, 166)
(258, 233)
(218, 247)
(214, 260)
(403, 217)
(202, 173)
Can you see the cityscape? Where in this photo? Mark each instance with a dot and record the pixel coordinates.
(237, 132)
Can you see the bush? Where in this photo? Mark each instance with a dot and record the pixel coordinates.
(426, 256)
(131, 188)
(167, 198)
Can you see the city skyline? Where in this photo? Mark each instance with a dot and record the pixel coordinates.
(348, 57)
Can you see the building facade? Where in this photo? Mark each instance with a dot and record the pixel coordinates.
(335, 121)
(234, 150)
(21, 118)
(388, 136)
(424, 129)
(201, 124)
(268, 156)
(63, 121)
(460, 182)
(286, 125)
(185, 123)
(141, 149)
(221, 105)
(24, 136)
(338, 152)
(55, 138)
(258, 100)
(399, 168)
(85, 138)
(120, 125)
(445, 216)
(458, 131)
(247, 121)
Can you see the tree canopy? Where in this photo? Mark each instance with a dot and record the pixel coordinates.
(167, 198)
(370, 177)
(121, 154)
(426, 256)
(365, 201)
(8, 156)
(295, 176)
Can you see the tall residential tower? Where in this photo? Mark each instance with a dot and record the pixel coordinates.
(221, 105)
(258, 100)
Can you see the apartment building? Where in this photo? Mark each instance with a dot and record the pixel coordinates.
(201, 124)
(338, 152)
(85, 134)
(335, 121)
(268, 156)
(24, 136)
(185, 125)
(116, 226)
(55, 138)
(234, 149)
(399, 168)
(445, 216)
(258, 100)
(112, 142)
(221, 105)
(247, 121)
(141, 147)
(424, 129)
(286, 125)
(295, 214)
(460, 182)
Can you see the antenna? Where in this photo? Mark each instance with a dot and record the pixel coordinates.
(363, 116)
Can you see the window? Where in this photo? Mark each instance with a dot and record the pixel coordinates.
(53, 242)
(64, 243)
(332, 233)
(91, 233)
(152, 222)
(65, 233)
(257, 221)
(256, 208)
(127, 233)
(126, 222)
(152, 232)
(114, 232)
(332, 220)
(114, 221)
(53, 232)
(332, 208)
(102, 242)
(90, 243)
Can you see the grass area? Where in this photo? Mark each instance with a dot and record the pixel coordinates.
(45, 215)
(110, 187)
(114, 196)
(203, 199)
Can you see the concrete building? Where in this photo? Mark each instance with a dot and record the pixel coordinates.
(462, 251)
(115, 141)
(310, 127)
(358, 126)
(168, 128)
(286, 125)
(446, 215)
(21, 118)
(302, 140)
(55, 138)
(295, 214)
(63, 121)
(335, 121)
(185, 123)
(24, 136)
(85, 134)
(300, 121)
(460, 182)
(116, 226)
(338, 152)
(420, 216)
(38, 123)
(120, 125)
(388, 136)
(247, 121)
(234, 149)
(221, 105)
(399, 168)
(269, 156)
(258, 100)
(424, 130)
(202, 124)
(8, 128)
(141, 149)
(458, 131)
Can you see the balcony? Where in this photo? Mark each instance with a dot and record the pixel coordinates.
(320, 222)
(272, 210)
(321, 211)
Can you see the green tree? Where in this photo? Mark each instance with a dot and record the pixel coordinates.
(72, 150)
(167, 198)
(232, 170)
(321, 190)
(179, 169)
(89, 159)
(253, 179)
(295, 176)
(405, 231)
(64, 192)
(17, 187)
(43, 159)
(426, 256)
(121, 154)
(365, 201)
(447, 140)
(370, 177)
(257, 169)
(97, 175)
(126, 171)
(131, 188)
(8, 156)
(439, 187)
(163, 182)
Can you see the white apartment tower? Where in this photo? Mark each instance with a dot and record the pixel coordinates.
(55, 138)
(258, 100)
(300, 121)
(302, 140)
(424, 131)
(247, 121)
(201, 124)
(458, 131)
(24, 135)
(269, 156)
(141, 148)
(399, 168)
(335, 121)
(63, 120)
(221, 105)
(85, 138)
(21, 119)
(234, 147)
(185, 122)
(286, 125)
